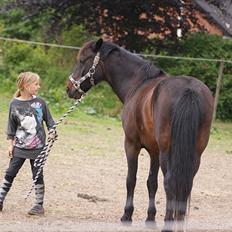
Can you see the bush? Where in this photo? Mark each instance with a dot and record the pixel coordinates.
(55, 64)
(203, 46)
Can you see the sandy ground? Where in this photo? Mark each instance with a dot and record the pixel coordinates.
(85, 188)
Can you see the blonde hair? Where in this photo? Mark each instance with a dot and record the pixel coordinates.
(23, 79)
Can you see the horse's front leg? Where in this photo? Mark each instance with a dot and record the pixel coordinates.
(152, 185)
(132, 152)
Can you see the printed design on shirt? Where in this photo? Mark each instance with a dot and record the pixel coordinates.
(39, 112)
(28, 134)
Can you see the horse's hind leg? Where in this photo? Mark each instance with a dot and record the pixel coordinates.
(169, 215)
(132, 161)
(152, 185)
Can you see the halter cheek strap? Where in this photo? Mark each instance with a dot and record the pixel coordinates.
(89, 74)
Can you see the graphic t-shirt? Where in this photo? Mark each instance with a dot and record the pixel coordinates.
(25, 123)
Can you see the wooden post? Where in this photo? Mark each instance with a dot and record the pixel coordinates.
(219, 83)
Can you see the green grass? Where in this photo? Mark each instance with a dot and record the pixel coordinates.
(84, 127)
(79, 132)
(78, 114)
(221, 138)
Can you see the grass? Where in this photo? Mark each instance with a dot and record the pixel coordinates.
(221, 138)
(92, 129)
(78, 131)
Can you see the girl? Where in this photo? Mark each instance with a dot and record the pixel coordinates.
(26, 135)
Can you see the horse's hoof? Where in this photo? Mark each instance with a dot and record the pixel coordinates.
(125, 219)
(150, 223)
(167, 228)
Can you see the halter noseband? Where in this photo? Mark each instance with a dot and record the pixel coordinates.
(89, 74)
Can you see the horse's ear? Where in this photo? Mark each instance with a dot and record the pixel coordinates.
(98, 45)
(106, 48)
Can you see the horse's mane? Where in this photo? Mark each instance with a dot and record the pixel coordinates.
(144, 70)
(150, 71)
(147, 68)
(106, 48)
(144, 73)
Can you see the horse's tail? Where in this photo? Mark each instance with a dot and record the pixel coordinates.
(184, 128)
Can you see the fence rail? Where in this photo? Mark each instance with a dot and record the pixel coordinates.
(139, 54)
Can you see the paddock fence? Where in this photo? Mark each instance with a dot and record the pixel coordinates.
(218, 83)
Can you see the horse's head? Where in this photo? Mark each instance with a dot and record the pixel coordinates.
(87, 71)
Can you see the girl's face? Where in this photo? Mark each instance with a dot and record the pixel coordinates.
(33, 88)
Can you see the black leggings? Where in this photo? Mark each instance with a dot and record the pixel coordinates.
(14, 166)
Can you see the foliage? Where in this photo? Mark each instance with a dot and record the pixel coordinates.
(70, 22)
(129, 23)
(54, 65)
(204, 46)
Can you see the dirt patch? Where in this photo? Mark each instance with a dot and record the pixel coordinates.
(85, 179)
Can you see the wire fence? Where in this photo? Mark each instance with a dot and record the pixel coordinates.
(139, 54)
(38, 43)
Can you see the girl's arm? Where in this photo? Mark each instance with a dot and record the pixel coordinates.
(48, 117)
(49, 122)
(11, 130)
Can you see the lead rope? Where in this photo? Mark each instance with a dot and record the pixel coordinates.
(42, 157)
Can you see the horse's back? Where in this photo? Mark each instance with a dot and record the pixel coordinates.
(169, 90)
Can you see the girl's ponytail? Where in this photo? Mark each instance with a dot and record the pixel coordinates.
(17, 93)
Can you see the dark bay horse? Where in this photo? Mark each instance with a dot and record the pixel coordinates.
(168, 116)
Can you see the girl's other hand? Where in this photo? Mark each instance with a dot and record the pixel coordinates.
(10, 151)
(52, 134)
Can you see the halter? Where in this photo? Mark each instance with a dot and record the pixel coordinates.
(89, 74)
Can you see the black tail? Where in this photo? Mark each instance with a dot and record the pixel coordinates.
(184, 128)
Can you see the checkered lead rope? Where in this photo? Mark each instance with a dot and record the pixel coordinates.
(42, 157)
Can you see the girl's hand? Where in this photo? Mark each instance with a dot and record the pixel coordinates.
(52, 134)
(10, 151)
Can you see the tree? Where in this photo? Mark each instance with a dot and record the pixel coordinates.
(136, 24)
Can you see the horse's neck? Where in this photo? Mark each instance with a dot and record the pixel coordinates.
(122, 78)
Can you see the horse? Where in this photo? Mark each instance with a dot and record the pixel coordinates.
(169, 116)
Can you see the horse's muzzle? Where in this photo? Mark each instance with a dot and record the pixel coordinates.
(73, 93)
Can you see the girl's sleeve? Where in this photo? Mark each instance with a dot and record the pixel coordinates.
(11, 125)
(48, 117)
